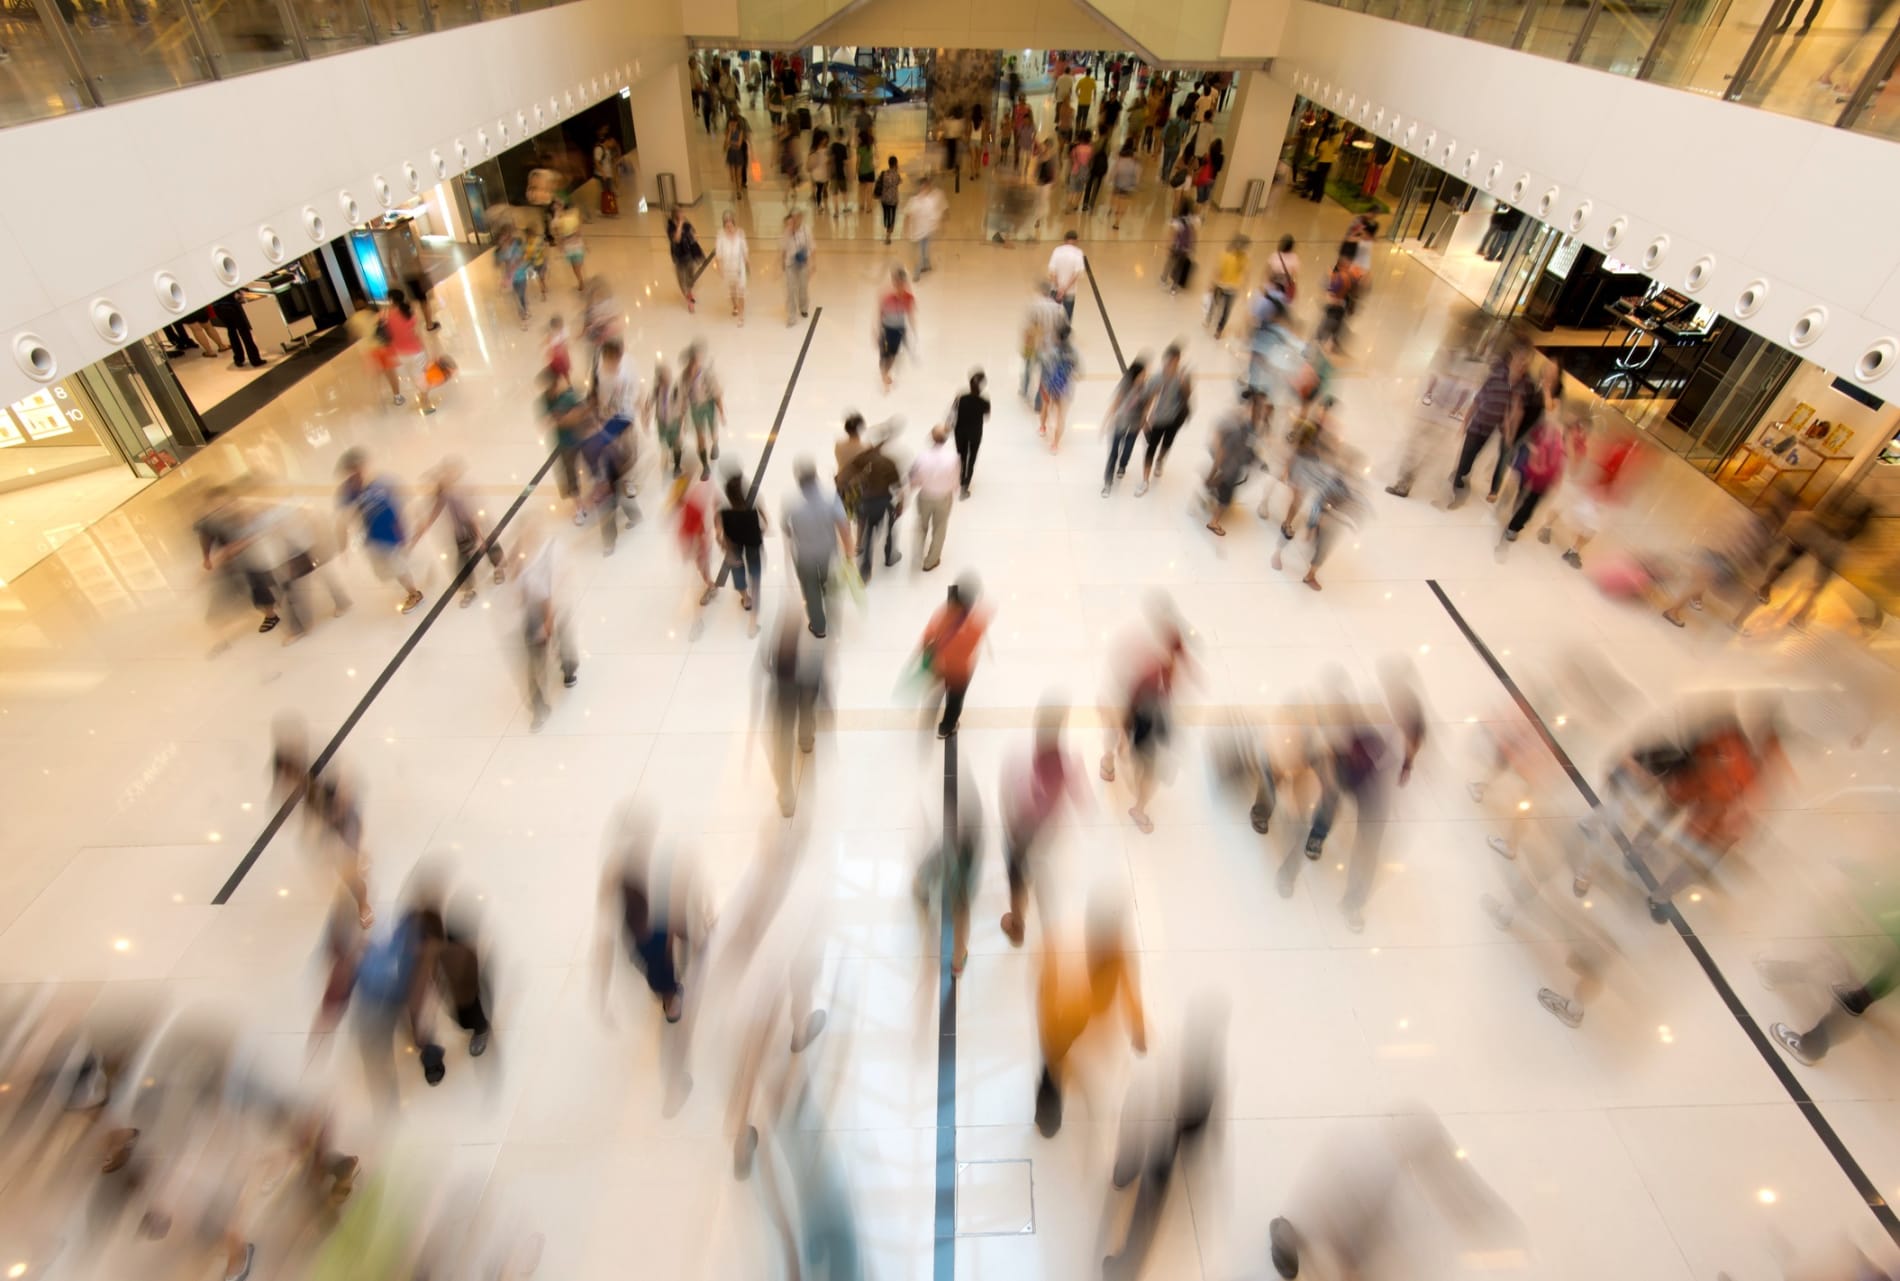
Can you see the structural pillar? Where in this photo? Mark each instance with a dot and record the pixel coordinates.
(663, 124)
(1262, 108)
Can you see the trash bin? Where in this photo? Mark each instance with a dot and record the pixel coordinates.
(669, 191)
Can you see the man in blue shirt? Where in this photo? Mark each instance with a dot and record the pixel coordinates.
(373, 502)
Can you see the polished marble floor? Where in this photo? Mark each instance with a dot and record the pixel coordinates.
(1654, 1141)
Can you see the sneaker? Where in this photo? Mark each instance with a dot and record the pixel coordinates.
(1499, 914)
(706, 597)
(1141, 489)
(1502, 847)
(1659, 911)
(1398, 491)
(468, 598)
(1105, 489)
(1284, 1249)
(501, 575)
(410, 601)
(1355, 918)
(1791, 1042)
(570, 679)
(1566, 1010)
(1573, 559)
(1314, 844)
(1543, 535)
(398, 401)
(1580, 885)
(477, 1044)
(1510, 535)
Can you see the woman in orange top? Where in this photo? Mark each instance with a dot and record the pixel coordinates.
(1071, 994)
(949, 646)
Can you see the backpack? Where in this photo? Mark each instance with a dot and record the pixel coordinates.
(1543, 459)
(387, 970)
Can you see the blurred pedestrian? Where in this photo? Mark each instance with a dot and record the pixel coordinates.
(795, 248)
(372, 501)
(1067, 266)
(1145, 720)
(1060, 369)
(1170, 400)
(890, 190)
(922, 218)
(947, 652)
(1072, 991)
(896, 323)
(729, 250)
(546, 631)
(815, 530)
(1123, 179)
(683, 246)
(1033, 792)
(872, 487)
(447, 497)
(705, 404)
(1127, 419)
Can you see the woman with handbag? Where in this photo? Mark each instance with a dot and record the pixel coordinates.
(683, 243)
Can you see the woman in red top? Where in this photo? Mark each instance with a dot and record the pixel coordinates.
(948, 649)
(896, 318)
(1145, 720)
(405, 345)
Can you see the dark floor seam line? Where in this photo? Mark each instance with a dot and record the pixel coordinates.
(377, 686)
(944, 1253)
(771, 437)
(1106, 323)
(1798, 1093)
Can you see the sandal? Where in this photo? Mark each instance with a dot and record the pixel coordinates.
(270, 621)
(1143, 823)
(1216, 530)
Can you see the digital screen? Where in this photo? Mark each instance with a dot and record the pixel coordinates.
(1565, 257)
(369, 265)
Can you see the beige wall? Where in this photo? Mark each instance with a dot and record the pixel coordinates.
(974, 24)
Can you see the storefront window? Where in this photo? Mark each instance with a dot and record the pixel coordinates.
(245, 35)
(396, 19)
(1619, 37)
(1880, 114)
(331, 26)
(1554, 28)
(40, 81)
(143, 47)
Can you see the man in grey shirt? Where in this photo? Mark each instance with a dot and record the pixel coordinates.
(815, 528)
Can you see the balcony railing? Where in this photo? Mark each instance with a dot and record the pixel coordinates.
(58, 56)
(1830, 61)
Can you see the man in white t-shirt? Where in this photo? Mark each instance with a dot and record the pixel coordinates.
(922, 216)
(1065, 85)
(1066, 266)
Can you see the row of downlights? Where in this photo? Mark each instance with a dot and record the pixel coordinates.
(36, 359)
(1808, 326)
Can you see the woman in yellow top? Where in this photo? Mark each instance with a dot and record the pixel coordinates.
(1071, 993)
(1229, 277)
(1323, 161)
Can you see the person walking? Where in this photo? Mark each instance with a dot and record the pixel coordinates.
(1076, 987)
(1099, 161)
(372, 501)
(741, 531)
(890, 189)
(1230, 277)
(1124, 177)
(922, 216)
(815, 530)
(1170, 400)
(934, 476)
(664, 408)
(566, 226)
(683, 246)
(867, 171)
(1127, 419)
(818, 169)
(448, 498)
(228, 313)
(400, 322)
(1494, 412)
(735, 155)
(1032, 794)
(970, 412)
(705, 403)
(730, 252)
(1067, 264)
(1542, 458)
(795, 249)
(1039, 331)
(1146, 719)
(896, 322)
(949, 648)
(872, 487)
(1060, 369)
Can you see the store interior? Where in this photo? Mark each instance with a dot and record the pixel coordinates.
(1750, 414)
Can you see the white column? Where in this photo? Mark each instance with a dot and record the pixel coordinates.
(663, 125)
(1262, 109)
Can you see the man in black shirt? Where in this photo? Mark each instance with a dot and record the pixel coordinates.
(972, 410)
